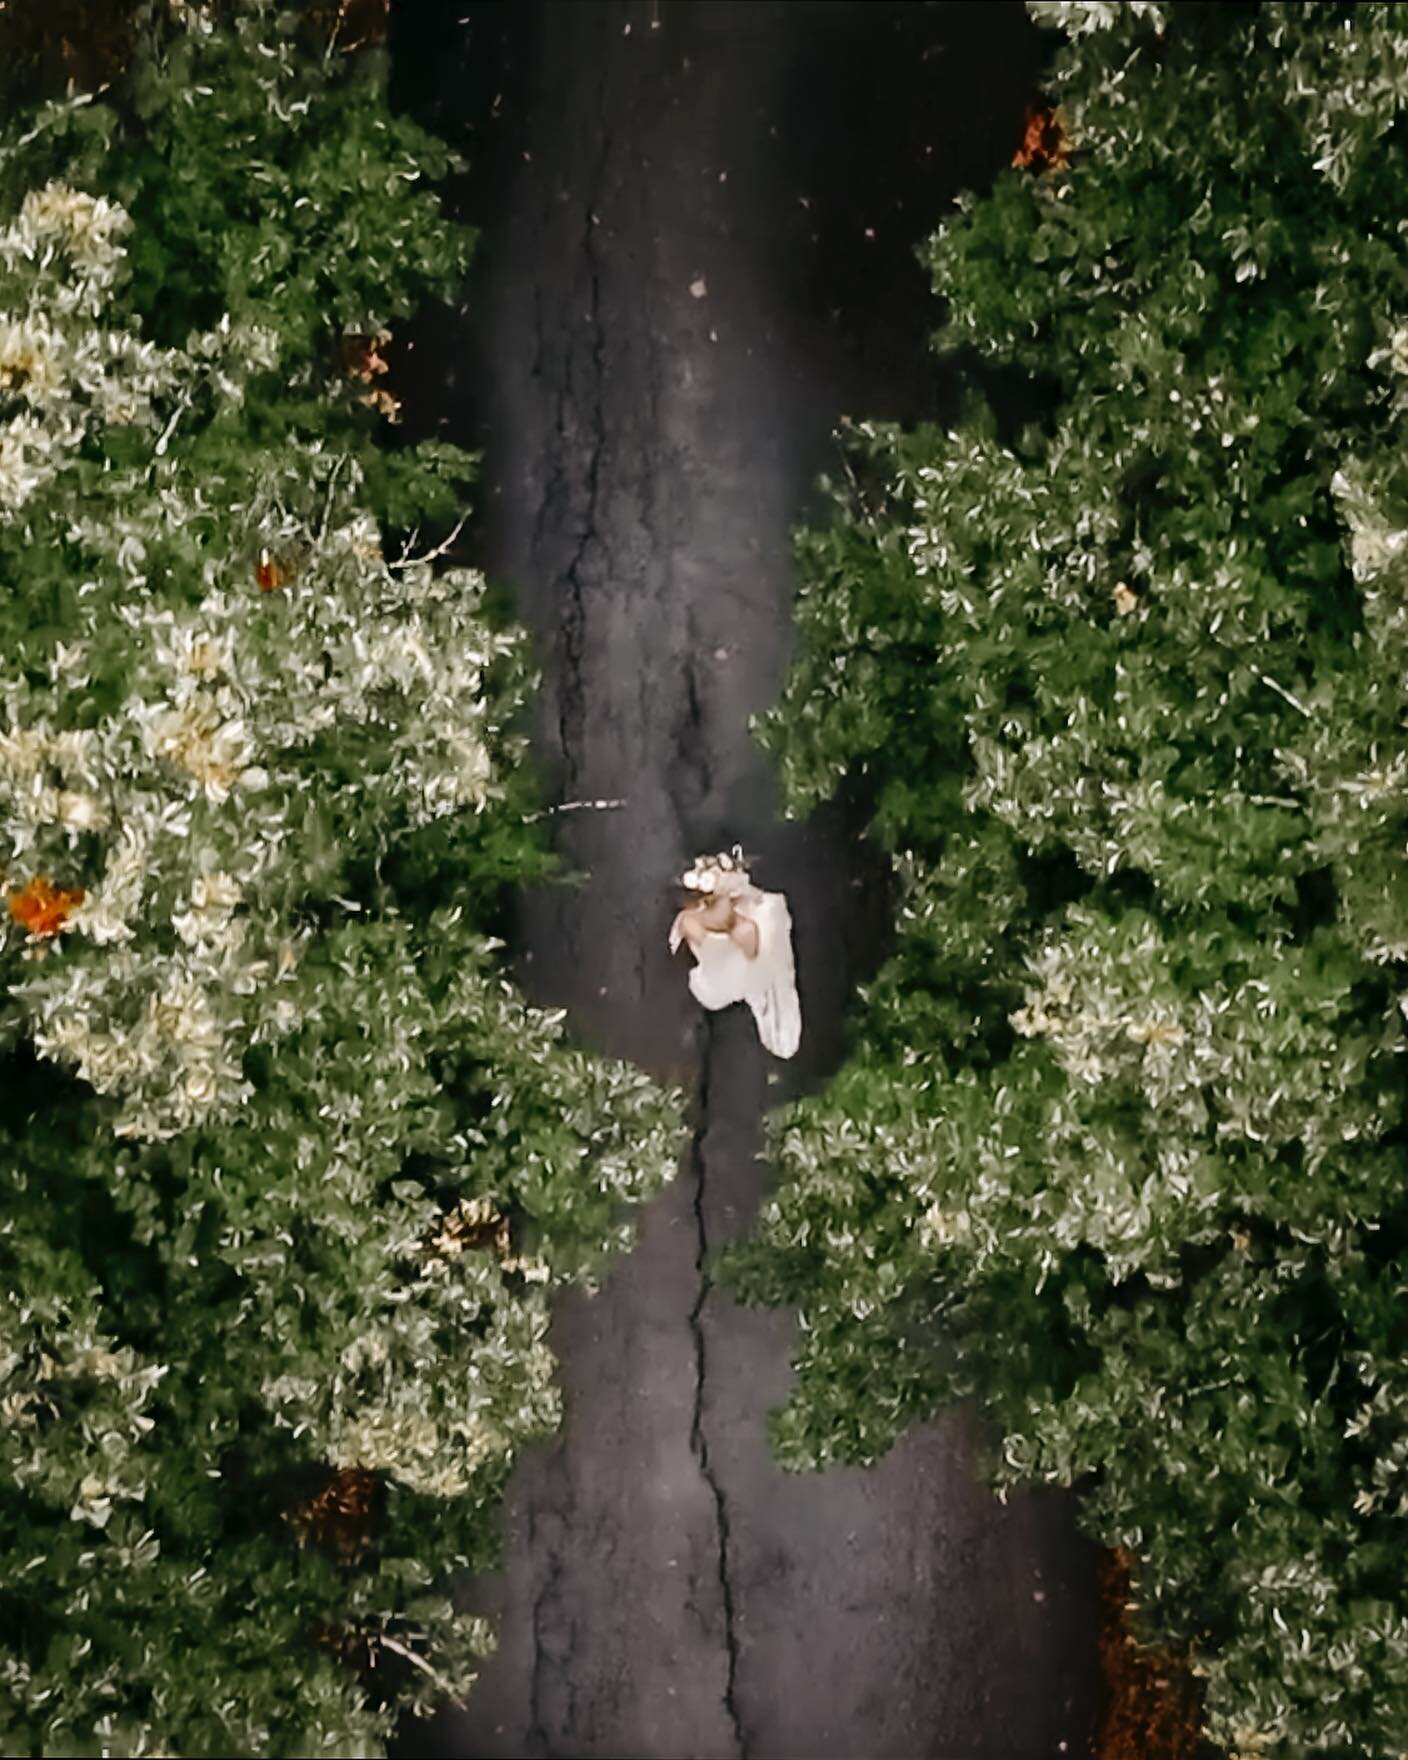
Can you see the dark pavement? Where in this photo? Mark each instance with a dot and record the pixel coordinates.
(676, 299)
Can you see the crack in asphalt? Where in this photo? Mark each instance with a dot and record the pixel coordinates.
(691, 767)
(698, 1440)
(537, 1727)
(571, 702)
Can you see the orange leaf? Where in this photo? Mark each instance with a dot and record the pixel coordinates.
(41, 908)
(339, 1518)
(269, 574)
(1045, 145)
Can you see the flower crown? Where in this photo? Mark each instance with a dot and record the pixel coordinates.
(704, 875)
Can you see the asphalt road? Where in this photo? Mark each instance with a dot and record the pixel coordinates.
(699, 224)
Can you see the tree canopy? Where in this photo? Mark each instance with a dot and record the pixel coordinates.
(1119, 1147)
(291, 1167)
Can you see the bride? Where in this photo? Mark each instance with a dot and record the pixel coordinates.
(741, 939)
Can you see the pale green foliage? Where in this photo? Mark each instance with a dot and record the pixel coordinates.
(1344, 78)
(57, 1368)
(1120, 1148)
(1077, 18)
(292, 1169)
(190, 796)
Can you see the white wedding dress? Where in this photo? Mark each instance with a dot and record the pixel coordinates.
(767, 981)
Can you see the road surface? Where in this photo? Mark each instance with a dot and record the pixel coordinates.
(699, 222)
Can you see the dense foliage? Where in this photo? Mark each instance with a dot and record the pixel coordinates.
(290, 1168)
(1121, 1144)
